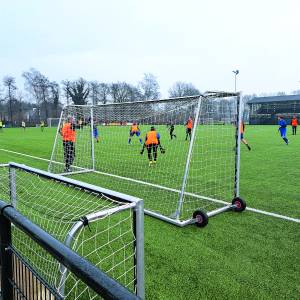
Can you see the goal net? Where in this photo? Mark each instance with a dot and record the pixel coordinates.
(102, 226)
(196, 168)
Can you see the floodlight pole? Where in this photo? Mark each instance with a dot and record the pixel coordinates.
(236, 72)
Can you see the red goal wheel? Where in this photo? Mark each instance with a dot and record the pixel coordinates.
(239, 203)
(201, 218)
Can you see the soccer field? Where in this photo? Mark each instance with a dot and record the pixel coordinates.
(244, 255)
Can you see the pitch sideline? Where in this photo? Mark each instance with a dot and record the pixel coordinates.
(266, 213)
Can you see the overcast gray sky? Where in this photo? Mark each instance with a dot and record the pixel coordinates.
(118, 40)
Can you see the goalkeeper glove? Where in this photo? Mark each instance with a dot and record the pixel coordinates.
(162, 150)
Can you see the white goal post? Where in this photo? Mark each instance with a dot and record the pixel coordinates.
(103, 226)
(194, 176)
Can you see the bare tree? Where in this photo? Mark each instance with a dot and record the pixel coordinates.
(39, 86)
(104, 91)
(78, 90)
(66, 86)
(19, 107)
(55, 94)
(149, 87)
(94, 91)
(181, 89)
(2, 105)
(124, 92)
(135, 94)
(119, 92)
(10, 83)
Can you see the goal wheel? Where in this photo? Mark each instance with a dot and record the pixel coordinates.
(201, 218)
(240, 204)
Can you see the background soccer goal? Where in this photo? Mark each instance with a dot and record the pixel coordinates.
(197, 177)
(102, 226)
(52, 122)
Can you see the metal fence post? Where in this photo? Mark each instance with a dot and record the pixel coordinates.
(6, 258)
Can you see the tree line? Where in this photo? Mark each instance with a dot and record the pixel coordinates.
(42, 98)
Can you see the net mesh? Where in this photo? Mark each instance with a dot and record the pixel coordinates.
(108, 242)
(117, 152)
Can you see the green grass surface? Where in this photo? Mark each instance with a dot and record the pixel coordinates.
(237, 256)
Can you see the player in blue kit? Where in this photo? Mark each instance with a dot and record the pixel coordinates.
(96, 133)
(282, 129)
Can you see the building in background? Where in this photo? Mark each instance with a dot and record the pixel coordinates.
(265, 110)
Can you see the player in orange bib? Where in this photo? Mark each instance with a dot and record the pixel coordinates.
(189, 127)
(242, 130)
(152, 142)
(294, 124)
(134, 130)
(69, 138)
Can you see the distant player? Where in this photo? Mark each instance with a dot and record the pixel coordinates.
(294, 124)
(134, 130)
(282, 129)
(189, 126)
(96, 133)
(80, 123)
(171, 129)
(152, 142)
(42, 125)
(1, 125)
(23, 125)
(242, 129)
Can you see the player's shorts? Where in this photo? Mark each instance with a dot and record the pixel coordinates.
(137, 133)
(282, 132)
(152, 146)
(242, 136)
(95, 133)
(188, 130)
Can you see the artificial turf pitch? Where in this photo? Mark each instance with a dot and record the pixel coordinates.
(236, 256)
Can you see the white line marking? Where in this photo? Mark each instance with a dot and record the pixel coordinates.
(18, 153)
(266, 213)
(273, 214)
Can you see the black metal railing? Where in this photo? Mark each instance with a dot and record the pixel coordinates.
(20, 281)
(26, 282)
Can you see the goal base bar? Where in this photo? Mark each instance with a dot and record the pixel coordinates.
(190, 221)
(75, 172)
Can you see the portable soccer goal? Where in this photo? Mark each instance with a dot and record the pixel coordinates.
(196, 173)
(103, 226)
